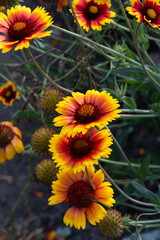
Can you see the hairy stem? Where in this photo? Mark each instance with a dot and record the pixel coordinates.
(123, 193)
(46, 76)
(141, 59)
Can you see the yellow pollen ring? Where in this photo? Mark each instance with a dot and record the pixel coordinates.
(8, 94)
(151, 13)
(18, 26)
(93, 9)
(86, 110)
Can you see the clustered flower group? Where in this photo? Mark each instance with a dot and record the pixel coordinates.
(21, 25)
(83, 139)
(76, 149)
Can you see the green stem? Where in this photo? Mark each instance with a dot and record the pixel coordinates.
(136, 207)
(136, 110)
(89, 178)
(85, 39)
(125, 16)
(120, 26)
(147, 221)
(66, 21)
(124, 116)
(126, 164)
(123, 154)
(19, 198)
(68, 73)
(123, 193)
(140, 57)
(75, 18)
(14, 208)
(7, 72)
(150, 61)
(46, 76)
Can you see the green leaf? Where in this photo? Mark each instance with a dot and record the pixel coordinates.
(144, 168)
(108, 73)
(27, 114)
(130, 101)
(144, 192)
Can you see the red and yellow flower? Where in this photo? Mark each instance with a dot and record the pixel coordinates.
(1, 8)
(92, 14)
(82, 112)
(81, 150)
(8, 93)
(84, 199)
(148, 12)
(60, 3)
(10, 141)
(21, 25)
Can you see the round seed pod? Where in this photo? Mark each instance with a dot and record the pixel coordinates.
(111, 225)
(46, 171)
(40, 140)
(49, 100)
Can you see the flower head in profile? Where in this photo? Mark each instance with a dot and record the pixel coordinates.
(82, 112)
(92, 15)
(8, 93)
(60, 3)
(21, 25)
(83, 198)
(81, 150)
(148, 12)
(10, 141)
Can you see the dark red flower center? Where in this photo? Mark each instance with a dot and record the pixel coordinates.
(87, 113)
(92, 11)
(80, 194)
(6, 135)
(80, 147)
(20, 30)
(8, 94)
